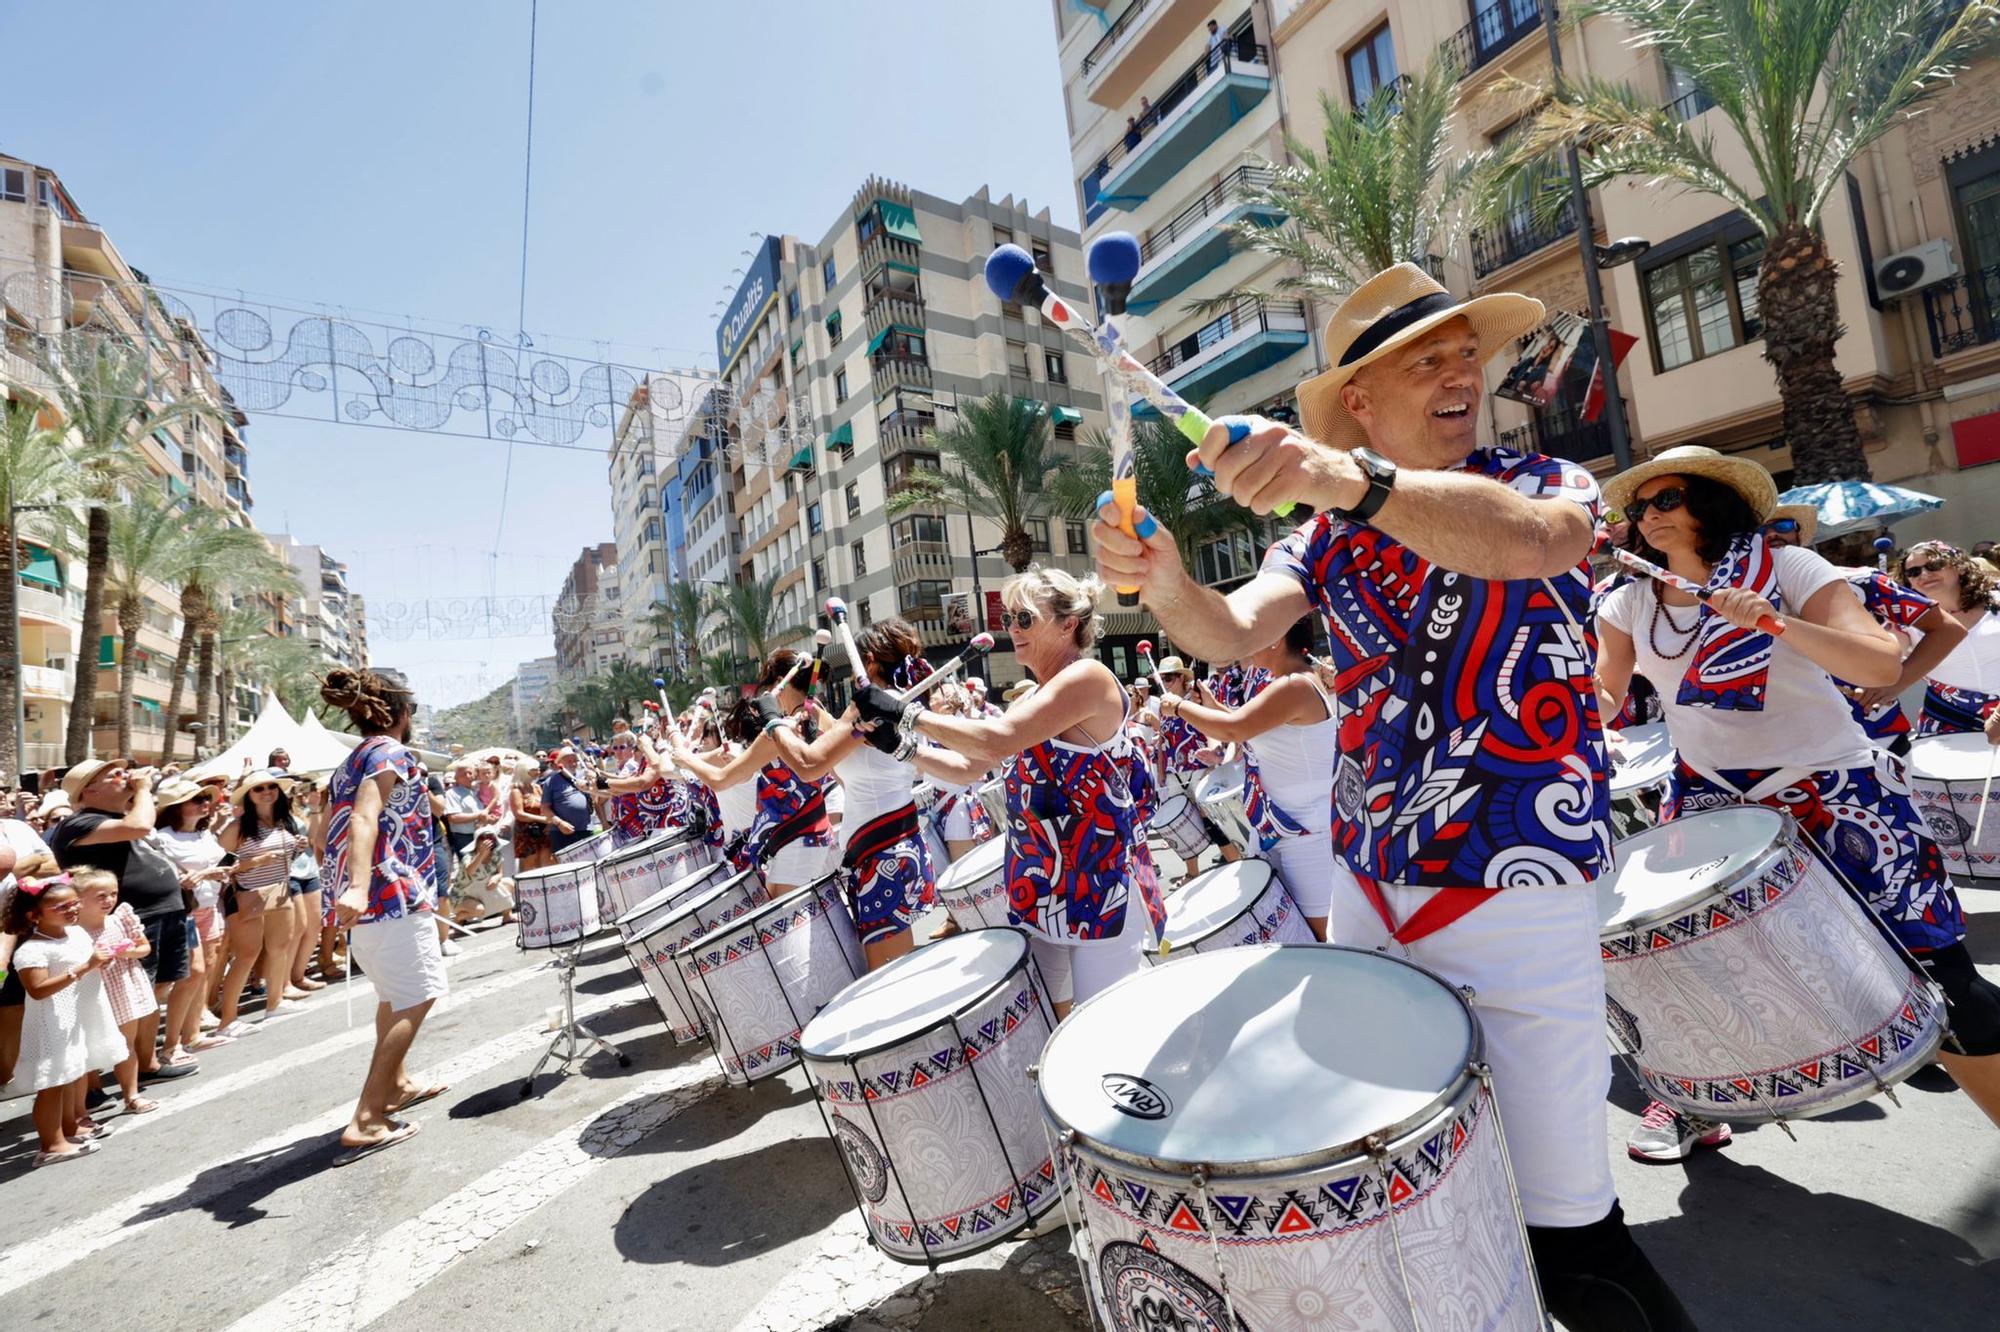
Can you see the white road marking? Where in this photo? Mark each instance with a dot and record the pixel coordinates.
(367, 1279)
(136, 1213)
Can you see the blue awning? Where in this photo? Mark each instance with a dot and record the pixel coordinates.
(42, 569)
(900, 220)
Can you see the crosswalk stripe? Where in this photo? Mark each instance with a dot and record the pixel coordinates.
(133, 1215)
(367, 1279)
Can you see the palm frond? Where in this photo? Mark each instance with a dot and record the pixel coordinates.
(1186, 504)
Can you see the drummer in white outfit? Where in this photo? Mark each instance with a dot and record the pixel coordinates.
(1290, 729)
(738, 803)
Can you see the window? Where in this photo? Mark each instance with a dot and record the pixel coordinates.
(1017, 359)
(858, 552)
(844, 445)
(1058, 372)
(917, 527)
(14, 185)
(923, 594)
(815, 518)
(1093, 207)
(853, 493)
(792, 303)
(1065, 431)
(1704, 301)
(839, 387)
(1226, 559)
(1038, 534)
(833, 329)
(818, 575)
(1073, 533)
(798, 355)
(1002, 236)
(1370, 66)
(827, 272)
(1975, 204)
(1043, 260)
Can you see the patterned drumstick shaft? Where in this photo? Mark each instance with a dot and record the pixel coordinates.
(1771, 624)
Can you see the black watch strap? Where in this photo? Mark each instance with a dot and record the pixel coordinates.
(1381, 474)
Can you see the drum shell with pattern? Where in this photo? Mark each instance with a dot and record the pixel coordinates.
(557, 905)
(634, 873)
(1220, 794)
(1185, 1195)
(922, 1071)
(641, 917)
(1234, 905)
(1743, 979)
(589, 849)
(973, 888)
(657, 937)
(1179, 823)
(758, 980)
(1948, 780)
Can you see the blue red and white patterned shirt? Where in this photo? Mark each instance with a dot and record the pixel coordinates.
(1896, 607)
(404, 874)
(1471, 750)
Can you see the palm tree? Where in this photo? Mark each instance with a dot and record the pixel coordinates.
(147, 547)
(242, 648)
(35, 468)
(1189, 506)
(1806, 85)
(101, 384)
(1001, 445)
(682, 618)
(724, 670)
(627, 684)
(590, 702)
(218, 557)
(750, 612)
(1379, 191)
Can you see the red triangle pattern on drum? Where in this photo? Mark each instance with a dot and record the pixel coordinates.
(951, 1224)
(1809, 1071)
(1658, 940)
(1458, 1137)
(1183, 1218)
(1717, 919)
(1400, 1188)
(1004, 1204)
(1292, 1221)
(1872, 1047)
(1146, 1241)
(1772, 892)
(1103, 1190)
(917, 1078)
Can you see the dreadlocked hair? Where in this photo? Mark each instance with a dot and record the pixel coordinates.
(374, 702)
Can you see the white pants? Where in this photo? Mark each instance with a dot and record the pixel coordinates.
(798, 864)
(1075, 972)
(1311, 870)
(402, 957)
(1530, 955)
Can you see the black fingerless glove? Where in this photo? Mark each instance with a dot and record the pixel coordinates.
(767, 710)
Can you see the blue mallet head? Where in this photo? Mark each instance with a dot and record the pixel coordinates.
(1010, 272)
(659, 682)
(1114, 262)
(1885, 543)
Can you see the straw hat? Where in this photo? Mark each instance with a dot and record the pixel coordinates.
(177, 792)
(1171, 666)
(1805, 515)
(53, 803)
(86, 772)
(1746, 478)
(255, 777)
(1020, 689)
(1387, 311)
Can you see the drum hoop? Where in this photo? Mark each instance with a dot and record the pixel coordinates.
(745, 920)
(541, 872)
(968, 880)
(1180, 895)
(1402, 1131)
(943, 1019)
(647, 847)
(1788, 838)
(683, 909)
(709, 869)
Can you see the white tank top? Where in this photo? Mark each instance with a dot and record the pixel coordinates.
(738, 803)
(875, 784)
(1296, 763)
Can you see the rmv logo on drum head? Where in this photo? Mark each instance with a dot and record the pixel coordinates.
(1136, 1096)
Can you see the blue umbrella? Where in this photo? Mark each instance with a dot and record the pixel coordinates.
(1849, 506)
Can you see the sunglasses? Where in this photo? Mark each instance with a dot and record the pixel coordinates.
(1784, 526)
(201, 800)
(1022, 619)
(1928, 566)
(1665, 501)
(260, 790)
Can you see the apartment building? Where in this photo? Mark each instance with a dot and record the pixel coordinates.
(648, 518)
(588, 599)
(1172, 105)
(331, 614)
(838, 356)
(61, 271)
(533, 682)
(1921, 354)
(711, 542)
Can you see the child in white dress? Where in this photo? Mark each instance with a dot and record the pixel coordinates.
(116, 930)
(67, 1032)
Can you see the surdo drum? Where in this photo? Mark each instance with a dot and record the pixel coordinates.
(1743, 980)
(589, 849)
(1639, 778)
(922, 1072)
(1179, 824)
(1220, 796)
(1287, 1138)
(661, 933)
(1232, 906)
(974, 887)
(634, 873)
(680, 890)
(758, 980)
(556, 905)
(1948, 774)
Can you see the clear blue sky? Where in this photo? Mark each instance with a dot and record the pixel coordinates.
(368, 154)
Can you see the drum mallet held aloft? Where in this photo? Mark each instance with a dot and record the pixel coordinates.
(1770, 623)
(821, 638)
(980, 645)
(836, 610)
(1152, 667)
(666, 708)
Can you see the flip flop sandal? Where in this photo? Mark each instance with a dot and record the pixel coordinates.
(139, 1105)
(427, 1094)
(401, 1133)
(57, 1158)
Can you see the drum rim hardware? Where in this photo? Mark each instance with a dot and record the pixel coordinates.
(1750, 870)
(1181, 896)
(639, 913)
(943, 1018)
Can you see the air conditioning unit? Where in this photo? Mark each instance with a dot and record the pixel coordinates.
(1914, 269)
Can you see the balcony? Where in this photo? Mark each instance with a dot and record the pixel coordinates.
(1496, 26)
(893, 285)
(1195, 243)
(897, 471)
(86, 247)
(915, 559)
(47, 682)
(1493, 248)
(39, 603)
(884, 248)
(1964, 312)
(1249, 336)
(1191, 114)
(1574, 441)
(40, 754)
(889, 313)
(1134, 44)
(890, 371)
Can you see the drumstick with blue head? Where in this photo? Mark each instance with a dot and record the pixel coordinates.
(1885, 546)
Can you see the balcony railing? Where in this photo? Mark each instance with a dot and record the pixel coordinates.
(1578, 441)
(47, 681)
(1237, 185)
(1964, 311)
(1244, 316)
(1233, 53)
(1690, 104)
(41, 602)
(1518, 237)
(1494, 29)
(1119, 27)
(891, 370)
(43, 753)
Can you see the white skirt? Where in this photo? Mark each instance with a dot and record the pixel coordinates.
(1310, 870)
(68, 1034)
(798, 864)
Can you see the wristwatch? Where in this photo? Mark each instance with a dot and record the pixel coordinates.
(1381, 474)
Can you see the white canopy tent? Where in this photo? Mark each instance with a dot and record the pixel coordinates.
(319, 750)
(273, 729)
(433, 760)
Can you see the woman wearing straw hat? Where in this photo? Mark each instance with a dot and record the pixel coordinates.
(264, 839)
(1469, 798)
(1757, 719)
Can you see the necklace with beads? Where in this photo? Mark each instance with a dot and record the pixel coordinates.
(1660, 612)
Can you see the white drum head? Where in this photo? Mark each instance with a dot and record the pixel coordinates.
(1223, 781)
(913, 993)
(1684, 861)
(1951, 758)
(558, 871)
(1257, 1057)
(989, 857)
(1212, 900)
(1169, 809)
(1648, 758)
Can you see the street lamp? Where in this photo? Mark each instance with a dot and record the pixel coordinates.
(14, 512)
(1621, 251)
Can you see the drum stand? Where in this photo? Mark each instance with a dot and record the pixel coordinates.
(572, 1038)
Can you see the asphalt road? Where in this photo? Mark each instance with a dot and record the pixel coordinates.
(654, 1196)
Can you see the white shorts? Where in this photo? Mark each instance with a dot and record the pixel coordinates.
(798, 864)
(1078, 971)
(402, 958)
(1310, 870)
(958, 823)
(1530, 955)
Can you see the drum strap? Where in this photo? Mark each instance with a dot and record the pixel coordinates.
(1442, 908)
(808, 818)
(879, 834)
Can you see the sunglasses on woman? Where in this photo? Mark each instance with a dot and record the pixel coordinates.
(1022, 619)
(1927, 566)
(1664, 501)
(1782, 526)
(262, 790)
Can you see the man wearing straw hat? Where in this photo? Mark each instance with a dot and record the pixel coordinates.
(1469, 798)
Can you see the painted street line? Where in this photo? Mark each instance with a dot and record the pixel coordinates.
(371, 1277)
(132, 1216)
